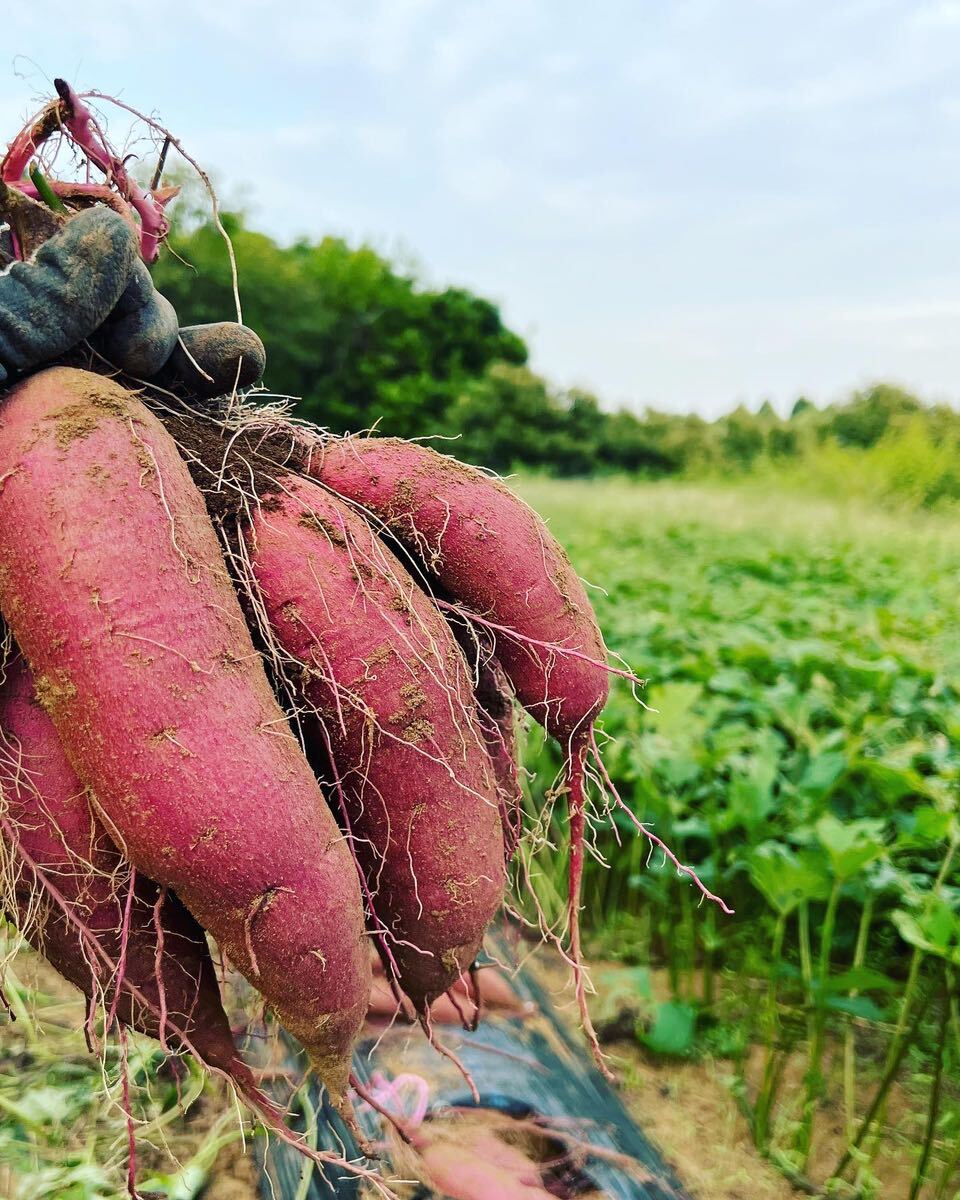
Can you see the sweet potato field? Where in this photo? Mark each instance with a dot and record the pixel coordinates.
(803, 663)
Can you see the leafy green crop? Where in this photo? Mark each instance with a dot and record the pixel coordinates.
(802, 754)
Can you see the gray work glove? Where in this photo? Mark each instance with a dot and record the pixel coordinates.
(87, 281)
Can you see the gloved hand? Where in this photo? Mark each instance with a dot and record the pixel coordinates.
(87, 281)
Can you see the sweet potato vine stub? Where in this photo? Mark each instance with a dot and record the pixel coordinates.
(114, 586)
(70, 115)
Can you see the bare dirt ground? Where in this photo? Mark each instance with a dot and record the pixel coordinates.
(234, 1177)
(688, 1111)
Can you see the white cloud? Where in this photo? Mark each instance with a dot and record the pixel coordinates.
(382, 35)
(381, 141)
(943, 14)
(682, 202)
(485, 114)
(482, 181)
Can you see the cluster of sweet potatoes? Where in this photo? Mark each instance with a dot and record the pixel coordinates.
(153, 784)
(261, 683)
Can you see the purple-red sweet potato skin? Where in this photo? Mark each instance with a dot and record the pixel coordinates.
(492, 553)
(52, 836)
(113, 583)
(396, 704)
(498, 722)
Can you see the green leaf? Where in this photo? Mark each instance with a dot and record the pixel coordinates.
(855, 1006)
(47, 1105)
(850, 844)
(893, 782)
(732, 682)
(862, 979)
(694, 826)
(786, 878)
(673, 705)
(925, 826)
(673, 1029)
(822, 773)
(936, 930)
(620, 990)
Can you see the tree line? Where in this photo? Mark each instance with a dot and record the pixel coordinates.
(362, 343)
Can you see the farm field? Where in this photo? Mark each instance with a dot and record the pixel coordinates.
(800, 753)
(803, 659)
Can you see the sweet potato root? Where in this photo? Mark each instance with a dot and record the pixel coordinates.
(492, 554)
(129, 946)
(114, 586)
(393, 708)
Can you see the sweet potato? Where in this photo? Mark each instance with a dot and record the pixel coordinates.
(395, 711)
(492, 554)
(114, 586)
(147, 963)
(474, 1164)
(497, 719)
(488, 985)
(482, 546)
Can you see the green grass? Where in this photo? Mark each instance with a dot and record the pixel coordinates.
(803, 661)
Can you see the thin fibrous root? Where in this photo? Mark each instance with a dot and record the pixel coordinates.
(241, 1078)
(427, 1026)
(467, 1023)
(576, 800)
(655, 842)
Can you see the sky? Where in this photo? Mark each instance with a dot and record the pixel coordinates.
(687, 204)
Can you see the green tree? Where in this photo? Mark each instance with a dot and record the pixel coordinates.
(800, 406)
(358, 341)
(742, 438)
(864, 419)
(362, 343)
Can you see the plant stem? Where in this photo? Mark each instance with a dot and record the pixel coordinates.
(15, 993)
(913, 975)
(667, 934)
(952, 1160)
(949, 1166)
(806, 958)
(761, 1127)
(750, 1027)
(934, 1105)
(689, 942)
(708, 959)
(815, 1062)
(849, 1043)
(806, 968)
(889, 1074)
(645, 938)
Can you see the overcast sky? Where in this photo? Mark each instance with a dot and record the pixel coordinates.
(684, 204)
